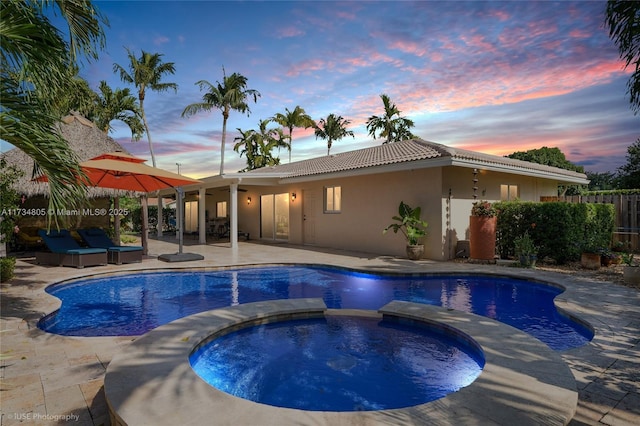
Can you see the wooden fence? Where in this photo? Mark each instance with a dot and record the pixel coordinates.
(627, 209)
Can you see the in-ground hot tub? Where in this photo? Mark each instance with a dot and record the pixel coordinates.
(523, 381)
(339, 363)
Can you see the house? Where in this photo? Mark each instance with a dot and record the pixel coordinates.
(344, 201)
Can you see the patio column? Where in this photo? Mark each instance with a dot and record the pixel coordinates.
(233, 233)
(202, 218)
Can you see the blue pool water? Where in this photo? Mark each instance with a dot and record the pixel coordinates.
(130, 305)
(338, 364)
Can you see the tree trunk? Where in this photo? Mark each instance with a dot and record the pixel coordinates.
(153, 162)
(290, 142)
(225, 116)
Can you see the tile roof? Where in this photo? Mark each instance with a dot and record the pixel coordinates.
(402, 152)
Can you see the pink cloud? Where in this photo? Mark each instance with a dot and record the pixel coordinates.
(349, 16)
(160, 40)
(579, 33)
(577, 143)
(288, 32)
(308, 66)
(479, 42)
(410, 47)
(500, 15)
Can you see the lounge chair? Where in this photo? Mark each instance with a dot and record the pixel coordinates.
(28, 239)
(97, 238)
(65, 251)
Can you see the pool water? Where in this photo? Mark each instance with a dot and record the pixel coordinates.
(338, 363)
(131, 305)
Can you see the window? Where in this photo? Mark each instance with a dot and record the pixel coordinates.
(221, 209)
(332, 199)
(509, 192)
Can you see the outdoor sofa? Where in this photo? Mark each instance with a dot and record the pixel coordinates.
(97, 238)
(65, 251)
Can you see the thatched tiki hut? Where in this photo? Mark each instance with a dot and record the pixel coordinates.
(87, 141)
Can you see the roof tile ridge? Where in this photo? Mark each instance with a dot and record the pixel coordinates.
(443, 150)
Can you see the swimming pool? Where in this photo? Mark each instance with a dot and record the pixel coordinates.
(339, 363)
(132, 304)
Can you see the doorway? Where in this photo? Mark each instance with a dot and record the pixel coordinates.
(274, 216)
(309, 198)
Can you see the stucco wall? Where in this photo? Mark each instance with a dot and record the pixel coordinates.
(369, 202)
(456, 211)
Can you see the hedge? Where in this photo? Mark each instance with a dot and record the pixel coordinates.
(561, 231)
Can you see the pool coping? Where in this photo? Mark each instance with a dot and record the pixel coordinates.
(523, 382)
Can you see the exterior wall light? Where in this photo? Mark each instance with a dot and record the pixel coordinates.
(293, 196)
(248, 200)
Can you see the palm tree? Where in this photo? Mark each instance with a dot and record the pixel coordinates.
(120, 105)
(229, 95)
(35, 62)
(393, 128)
(147, 72)
(290, 119)
(623, 21)
(332, 129)
(78, 96)
(245, 145)
(258, 145)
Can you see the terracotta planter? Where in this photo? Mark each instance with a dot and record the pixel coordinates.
(608, 261)
(415, 252)
(590, 260)
(482, 237)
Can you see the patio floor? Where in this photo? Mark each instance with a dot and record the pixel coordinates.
(50, 379)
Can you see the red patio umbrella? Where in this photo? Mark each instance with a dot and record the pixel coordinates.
(118, 170)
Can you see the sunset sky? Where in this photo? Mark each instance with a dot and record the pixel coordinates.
(495, 77)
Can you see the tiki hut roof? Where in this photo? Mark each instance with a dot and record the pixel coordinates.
(84, 138)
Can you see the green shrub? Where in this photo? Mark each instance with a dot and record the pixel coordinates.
(561, 231)
(7, 266)
(127, 239)
(136, 217)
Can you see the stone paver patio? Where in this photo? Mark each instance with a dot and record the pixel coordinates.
(48, 379)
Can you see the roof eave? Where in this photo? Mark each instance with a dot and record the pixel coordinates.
(577, 179)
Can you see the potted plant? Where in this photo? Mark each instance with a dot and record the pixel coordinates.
(608, 257)
(412, 227)
(631, 269)
(590, 256)
(482, 231)
(526, 251)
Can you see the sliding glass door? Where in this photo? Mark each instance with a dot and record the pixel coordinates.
(274, 216)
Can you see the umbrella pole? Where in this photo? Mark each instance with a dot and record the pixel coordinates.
(116, 220)
(145, 224)
(180, 256)
(179, 219)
